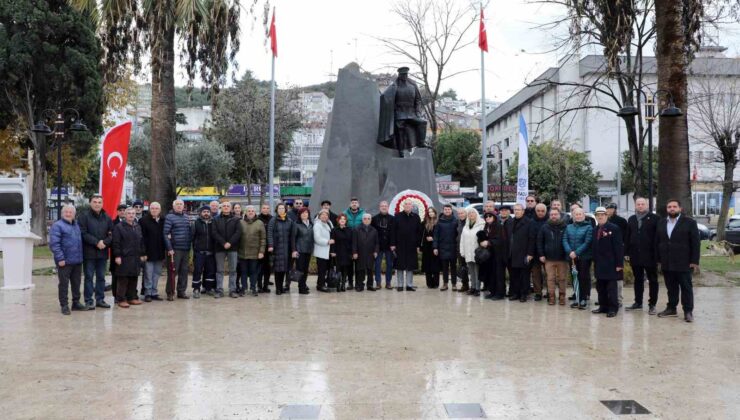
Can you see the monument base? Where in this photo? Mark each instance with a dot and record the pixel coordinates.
(414, 172)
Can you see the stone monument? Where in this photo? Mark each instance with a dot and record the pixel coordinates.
(354, 164)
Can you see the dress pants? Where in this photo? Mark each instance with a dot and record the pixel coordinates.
(640, 273)
(322, 266)
(304, 260)
(181, 268)
(473, 276)
(537, 276)
(557, 273)
(126, 288)
(264, 278)
(449, 271)
(362, 274)
(583, 265)
(404, 277)
(496, 279)
(679, 281)
(519, 282)
(465, 279)
(69, 275)
(608, 295)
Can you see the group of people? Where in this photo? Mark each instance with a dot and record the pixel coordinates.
(537, 248)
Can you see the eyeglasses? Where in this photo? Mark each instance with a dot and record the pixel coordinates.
(530, 201)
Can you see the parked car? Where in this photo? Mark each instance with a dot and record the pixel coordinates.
(704, 232)
(732, 232)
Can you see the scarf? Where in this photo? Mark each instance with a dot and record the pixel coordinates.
(471, 224)
(639, 217)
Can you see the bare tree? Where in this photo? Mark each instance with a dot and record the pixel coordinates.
(438, 30)
(715, 114)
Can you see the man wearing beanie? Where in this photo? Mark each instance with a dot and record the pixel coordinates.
(204, 261)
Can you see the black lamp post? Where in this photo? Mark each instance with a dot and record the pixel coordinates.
(58, 134)
(631, 111)
(500, 169)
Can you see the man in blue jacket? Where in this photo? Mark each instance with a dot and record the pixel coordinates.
(65, 243)
(177, 239)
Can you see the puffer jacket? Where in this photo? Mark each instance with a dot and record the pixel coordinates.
(95, 227)
(577, 238)
(550, 241)
(354, 219)
(203, 236)
(253, 239)
(65, 242)
(445, 238)
(469, 240)
(226, 229)
(177, 235)
(321, 237)
(279, 234)
(303, 237)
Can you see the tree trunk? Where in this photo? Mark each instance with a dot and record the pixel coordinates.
(673, 152)
(162, 170)
(728, 188)
(38, 190)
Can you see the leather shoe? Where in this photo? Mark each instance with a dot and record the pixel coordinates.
(148, 299)
(102, 304)
(77, 306)
(170, 298)
(134, 302)
(688, 317)
(65, 310)
(372, 289)
(598, 311)
(123, 305)
(410, 289)
(182, 296)
(400, 289)
(611, 314)
(667, 312)
(633, 307)
(157, 298)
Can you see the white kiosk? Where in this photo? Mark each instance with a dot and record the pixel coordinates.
(16, 238)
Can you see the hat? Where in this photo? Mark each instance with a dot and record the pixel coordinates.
(402, 70)
(612, 206)
(326, 202)
(489, 214)
(200, 210)
(138, 203)
(121, 207)
(505, 207)
(600, 210)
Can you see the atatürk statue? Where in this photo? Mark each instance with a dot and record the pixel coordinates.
(401, 126)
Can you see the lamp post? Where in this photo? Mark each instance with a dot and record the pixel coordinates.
(631, 111)
(58, 134)
(500, 169)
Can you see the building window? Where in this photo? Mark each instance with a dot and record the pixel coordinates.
(506, 142)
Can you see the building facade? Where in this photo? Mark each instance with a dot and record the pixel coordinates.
(301, 162)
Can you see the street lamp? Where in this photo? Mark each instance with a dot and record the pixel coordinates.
(631, 111)
(58, 134)
(500, 169)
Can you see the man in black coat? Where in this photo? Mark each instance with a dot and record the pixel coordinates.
(365, 252)
(608, 251)
(263, 282)
(520, 254)
(385, 225)
(536, 267)
(621, 222)
(677, 242)
(326, 205)
(97, 235)
(152, 229)
(446, 247)
(120, 216)
(204, 263)
(501, 251)
(529, 209)
(408, 240)
(227, 234)
(639, 249)
(128, 253)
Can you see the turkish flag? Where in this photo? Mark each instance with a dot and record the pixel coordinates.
(482, 38)
(113, 166)
(273, 35)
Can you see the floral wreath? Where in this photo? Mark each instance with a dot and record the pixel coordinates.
(418, 199)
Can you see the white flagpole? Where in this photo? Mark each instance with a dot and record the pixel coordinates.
(484, 143)
(272, 136)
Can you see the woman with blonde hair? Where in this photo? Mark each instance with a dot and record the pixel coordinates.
(468, 245)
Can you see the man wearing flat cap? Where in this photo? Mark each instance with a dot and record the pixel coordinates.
(401, 125)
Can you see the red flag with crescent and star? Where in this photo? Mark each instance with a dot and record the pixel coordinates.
(113, 165)
(482, 37)
(273, 35)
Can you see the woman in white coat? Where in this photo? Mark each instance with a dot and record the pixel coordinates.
(321, 244)
(468, 244)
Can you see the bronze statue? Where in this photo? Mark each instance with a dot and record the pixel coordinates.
(401, 125)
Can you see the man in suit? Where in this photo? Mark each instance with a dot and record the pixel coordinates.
(608, 250)
(521, 253)
(677, 243)
(639, 244)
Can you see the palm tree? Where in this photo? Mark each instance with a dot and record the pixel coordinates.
(208, 32)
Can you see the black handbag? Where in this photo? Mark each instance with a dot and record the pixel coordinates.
(482, 255)
(294, 275)
(462, 272)
(334, 276)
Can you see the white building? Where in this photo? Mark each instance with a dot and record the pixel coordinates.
(598, 132)
(300, 164)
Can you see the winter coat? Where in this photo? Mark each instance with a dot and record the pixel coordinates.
(342, 245)
(177, 235)
(153, 232)
(252, 240)
(279, 234)
(682, 248)
(469, 240)
(321, 237)
(608, 252)
(408, 237)
(578, 238)
(293, 215)
(429, 262)
(521, 244)
(365, 244)
(494, 234)
(203, 236)
(226, 229)
(303, 237)
(265, 219)
(501, 249)
(529, 213)
(385, 225)
(65, 242)
(550, 241)
(445, 238)
(354, 219)
(620, 222)
(128, 244)
(534, 230)
(95, 227)
(639, 241)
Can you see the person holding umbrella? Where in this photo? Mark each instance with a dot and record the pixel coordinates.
(577, 244)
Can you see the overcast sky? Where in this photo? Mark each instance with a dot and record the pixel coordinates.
(317, 37)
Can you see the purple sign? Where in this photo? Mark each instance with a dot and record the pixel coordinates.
(255, 190)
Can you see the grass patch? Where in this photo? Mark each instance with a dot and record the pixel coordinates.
(719, 265)
(42, 252)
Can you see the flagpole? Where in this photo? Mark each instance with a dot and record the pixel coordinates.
(484, 145)
(272, 136)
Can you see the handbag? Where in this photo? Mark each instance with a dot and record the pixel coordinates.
(294, 275)
(462, 272)
(334, 277)
(482, 255)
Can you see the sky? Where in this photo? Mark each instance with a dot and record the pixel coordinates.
(317, 37)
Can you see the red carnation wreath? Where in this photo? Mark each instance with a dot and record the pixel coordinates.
(418, 199)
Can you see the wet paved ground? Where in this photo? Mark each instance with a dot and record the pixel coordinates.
(364, 355)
